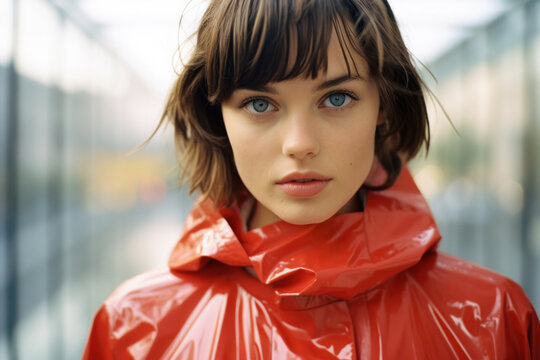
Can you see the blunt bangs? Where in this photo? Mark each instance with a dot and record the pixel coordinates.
(270, 41)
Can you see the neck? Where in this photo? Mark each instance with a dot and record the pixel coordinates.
(260, 216)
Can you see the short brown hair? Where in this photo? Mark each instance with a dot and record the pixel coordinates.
(246, 44)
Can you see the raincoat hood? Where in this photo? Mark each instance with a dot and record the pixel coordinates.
(308, 265)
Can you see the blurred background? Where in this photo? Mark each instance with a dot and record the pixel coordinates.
(83, 82)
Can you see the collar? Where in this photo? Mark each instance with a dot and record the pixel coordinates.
(309, 265)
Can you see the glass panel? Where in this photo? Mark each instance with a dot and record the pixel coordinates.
(6, 52)
(37, 62)
(6, 31)
(38, 41)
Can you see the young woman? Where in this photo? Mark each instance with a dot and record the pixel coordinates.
(310, 241)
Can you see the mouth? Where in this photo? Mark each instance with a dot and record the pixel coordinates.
(302, 185)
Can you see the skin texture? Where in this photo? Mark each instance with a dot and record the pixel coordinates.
(294, 126)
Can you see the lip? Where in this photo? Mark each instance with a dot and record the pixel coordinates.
(290, 185)
(295, 176)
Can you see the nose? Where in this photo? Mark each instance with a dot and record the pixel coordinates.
(300, 139)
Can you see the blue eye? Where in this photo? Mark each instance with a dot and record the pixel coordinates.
(337, 100)
(259, 106)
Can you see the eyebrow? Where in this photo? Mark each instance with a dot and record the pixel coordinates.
(325, 85)
(336, 81)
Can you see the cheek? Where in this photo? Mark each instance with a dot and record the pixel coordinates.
(246, 152)
(362, 156)
(362, 142)
(246, 161)
(360, 152)
(236, 135)
(239, 148)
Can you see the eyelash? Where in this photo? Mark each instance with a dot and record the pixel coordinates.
(247, 101)
(348, 93)
(353, 97)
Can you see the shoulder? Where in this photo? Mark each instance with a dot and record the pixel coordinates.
(453, 284)
(471, 299)
(464, 277)
(164, 288)
(138, 305)
(149, 287)
(163, 296)
(152, 309)
(448, 278)
(464, 308)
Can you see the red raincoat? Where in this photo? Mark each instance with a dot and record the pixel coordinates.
(367, 285)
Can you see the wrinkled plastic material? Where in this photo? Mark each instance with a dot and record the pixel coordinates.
(367, 285)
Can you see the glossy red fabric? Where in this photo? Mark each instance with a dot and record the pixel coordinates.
(367, 285)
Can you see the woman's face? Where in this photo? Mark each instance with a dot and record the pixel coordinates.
(304, 147)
